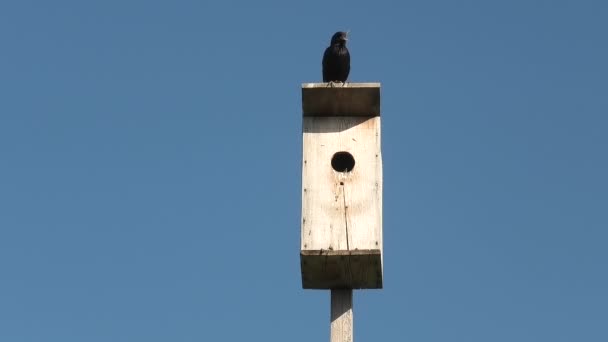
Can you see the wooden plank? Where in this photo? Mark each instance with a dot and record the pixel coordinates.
(356, 269)
(341, 211)
(348, 99)
(341, 315)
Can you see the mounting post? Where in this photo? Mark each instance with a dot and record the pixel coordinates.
(341, 315)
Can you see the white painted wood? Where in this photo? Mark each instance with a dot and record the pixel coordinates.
(341, 315)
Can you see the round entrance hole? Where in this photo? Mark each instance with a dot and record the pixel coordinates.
(343, 162)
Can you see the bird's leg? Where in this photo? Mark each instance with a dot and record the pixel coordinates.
(330, 84)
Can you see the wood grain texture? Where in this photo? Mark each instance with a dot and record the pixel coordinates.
(341, 211)
(341, 315)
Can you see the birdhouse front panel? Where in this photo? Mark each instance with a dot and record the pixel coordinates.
(341, 184)
(341, 241)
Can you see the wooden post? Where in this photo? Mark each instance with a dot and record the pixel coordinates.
(341, 315)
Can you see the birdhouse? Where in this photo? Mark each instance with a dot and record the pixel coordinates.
(341, 241)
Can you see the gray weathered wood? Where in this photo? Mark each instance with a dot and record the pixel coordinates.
(341, 315)
(348, 99)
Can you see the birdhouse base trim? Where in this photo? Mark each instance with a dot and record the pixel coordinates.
(329, 269)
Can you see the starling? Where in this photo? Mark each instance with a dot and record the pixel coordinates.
(336, 59)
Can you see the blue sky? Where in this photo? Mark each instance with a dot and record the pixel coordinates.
(150, 169)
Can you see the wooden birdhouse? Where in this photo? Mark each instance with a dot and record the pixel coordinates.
(341, 242)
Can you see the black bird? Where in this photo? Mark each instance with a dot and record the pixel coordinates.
(336, 59)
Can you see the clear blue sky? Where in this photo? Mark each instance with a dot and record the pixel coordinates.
(150, 164)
